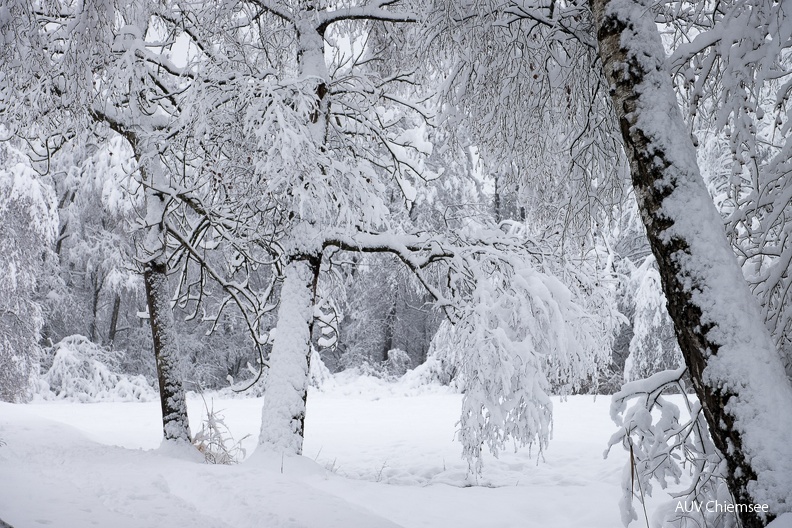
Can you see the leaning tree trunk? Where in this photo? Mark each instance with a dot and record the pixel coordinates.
(735, 368)
(286, 385)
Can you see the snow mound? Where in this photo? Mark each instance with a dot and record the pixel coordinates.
(81, 371)
(51, 474)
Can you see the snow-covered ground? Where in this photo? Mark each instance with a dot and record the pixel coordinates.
(376, 455)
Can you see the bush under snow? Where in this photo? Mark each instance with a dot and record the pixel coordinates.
(80, 370)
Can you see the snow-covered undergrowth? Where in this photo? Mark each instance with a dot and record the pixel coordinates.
(215, 441)
(75, 369)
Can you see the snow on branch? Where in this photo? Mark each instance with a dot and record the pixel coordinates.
(370, 11)
(454, 250)
(274, 8)
(566, 23)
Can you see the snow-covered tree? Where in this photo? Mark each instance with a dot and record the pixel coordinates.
(734, 365)
(653, 347)
(326, 138)
(29, 219)
(118, 80)
(560, 35)
(77, 369)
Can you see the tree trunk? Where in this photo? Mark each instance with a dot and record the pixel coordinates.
(152, 249)
(111, 333)
(96, 285)
(286, 384)
(390, 328)
(175, 425)
(497, 200)
(735, 368)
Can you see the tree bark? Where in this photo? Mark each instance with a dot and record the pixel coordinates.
(175, 425)
(286, 384)
(734, 366)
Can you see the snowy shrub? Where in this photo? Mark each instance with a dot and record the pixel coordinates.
(355, 358)
(397, 364)
(215, 441)
(443, 363)
(80, 370)
(318, 373)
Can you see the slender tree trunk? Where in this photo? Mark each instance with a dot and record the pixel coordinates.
(111, 333)
(175, 425)
(390, 328)
(497, 200)
(286, 385)
(96, 284)
(63, 234)
(735, 368)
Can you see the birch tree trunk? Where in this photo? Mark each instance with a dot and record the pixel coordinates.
(735, 368)
(286, 385)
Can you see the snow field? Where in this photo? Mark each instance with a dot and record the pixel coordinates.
(375, 456)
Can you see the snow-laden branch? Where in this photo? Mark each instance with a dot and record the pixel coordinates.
(685, 52)
(663, 443)
(275, 8)
(559, 23)
(371, 11)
